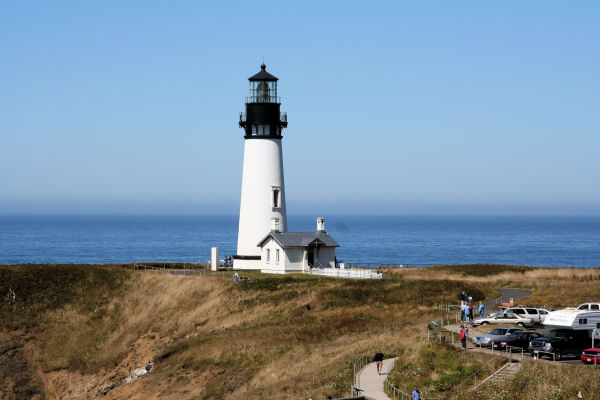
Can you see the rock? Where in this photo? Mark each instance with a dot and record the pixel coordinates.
(106, 388)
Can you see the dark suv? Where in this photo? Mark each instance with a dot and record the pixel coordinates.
(560, 342)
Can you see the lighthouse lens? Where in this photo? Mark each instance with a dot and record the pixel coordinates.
(263, 91)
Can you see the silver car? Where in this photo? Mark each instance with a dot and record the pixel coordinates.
(503, 318)
(497, 333)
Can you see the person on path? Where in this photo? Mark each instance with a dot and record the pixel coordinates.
(416, 395)
(480, 309)
(471, 314)
(462, 311)
(467, 313)
(464, 334)
(379, 360)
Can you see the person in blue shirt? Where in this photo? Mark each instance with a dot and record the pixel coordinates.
(416, 395)
(480, 309)
(463, 311)
(467, 313)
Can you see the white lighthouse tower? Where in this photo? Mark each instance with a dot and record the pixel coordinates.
(262, 206)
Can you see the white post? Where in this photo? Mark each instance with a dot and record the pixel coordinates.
(214, 258)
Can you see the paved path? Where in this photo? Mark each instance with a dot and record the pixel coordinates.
(371, 382)
(507, 294)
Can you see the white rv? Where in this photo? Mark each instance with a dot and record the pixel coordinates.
(584, 317)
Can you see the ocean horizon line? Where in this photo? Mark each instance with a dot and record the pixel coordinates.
(311, 215)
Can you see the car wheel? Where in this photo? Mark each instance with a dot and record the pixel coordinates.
(558, 356)
(520, 324)
(484, 323)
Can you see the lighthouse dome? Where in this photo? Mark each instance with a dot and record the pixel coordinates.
(263, 75)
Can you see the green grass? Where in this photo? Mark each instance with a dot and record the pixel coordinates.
(438, 369)
(482, 269)
(395, 292)
(40, 288)
(542, 381)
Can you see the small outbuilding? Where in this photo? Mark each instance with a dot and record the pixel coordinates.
(284, 252)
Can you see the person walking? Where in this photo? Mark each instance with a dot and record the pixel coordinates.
(416, 395)
(471, 313)
(462, 311)
(467, 313)
(464, 334)
(379, 360)
(480, 309)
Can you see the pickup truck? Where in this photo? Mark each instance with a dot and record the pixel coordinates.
(560, 342)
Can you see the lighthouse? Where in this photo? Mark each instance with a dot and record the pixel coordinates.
(262, 205)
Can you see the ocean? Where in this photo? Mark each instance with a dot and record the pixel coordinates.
(369, 240)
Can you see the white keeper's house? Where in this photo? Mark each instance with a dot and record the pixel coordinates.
(297, 251)
(263, 240)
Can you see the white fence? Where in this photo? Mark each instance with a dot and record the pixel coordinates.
(346, 273)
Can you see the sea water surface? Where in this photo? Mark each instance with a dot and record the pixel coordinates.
(520, 240)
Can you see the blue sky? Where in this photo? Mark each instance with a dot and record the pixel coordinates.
(402, 107)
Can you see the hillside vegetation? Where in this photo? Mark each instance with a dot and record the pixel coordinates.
(77, 331)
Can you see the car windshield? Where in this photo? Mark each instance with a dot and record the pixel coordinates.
(498, 331)
(557, 334)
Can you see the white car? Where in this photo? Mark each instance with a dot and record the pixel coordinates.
(537, 315)
(504, 318)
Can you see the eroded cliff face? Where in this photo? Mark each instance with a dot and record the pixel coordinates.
(20, 379)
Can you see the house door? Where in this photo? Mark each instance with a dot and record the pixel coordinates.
(311, 256)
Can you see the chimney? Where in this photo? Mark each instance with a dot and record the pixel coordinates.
(275, 225)
(320, 225)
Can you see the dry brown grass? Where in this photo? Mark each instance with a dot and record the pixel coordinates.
(543, 381)
(214, 339)
(552, 287)
(217, 339)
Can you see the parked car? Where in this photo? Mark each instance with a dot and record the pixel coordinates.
(560, 342)
(537, 315)
(487, 339)
(504, 318)
(519, 339)
(591, 356)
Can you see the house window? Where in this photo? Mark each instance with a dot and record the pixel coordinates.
(276, 197)
(277, 256)
(268, 256)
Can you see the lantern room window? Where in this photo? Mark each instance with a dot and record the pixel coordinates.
(263, 92)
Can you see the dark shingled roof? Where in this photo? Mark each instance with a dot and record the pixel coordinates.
(263, 75)
(300, 239)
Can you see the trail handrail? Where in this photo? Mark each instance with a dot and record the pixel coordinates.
(396, 393)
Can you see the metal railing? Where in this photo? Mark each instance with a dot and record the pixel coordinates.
(536, 354)
(263, 99)
(358, 365)
(516, 350)
(396, 393)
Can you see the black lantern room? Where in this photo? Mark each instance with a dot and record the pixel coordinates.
(263, 118)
